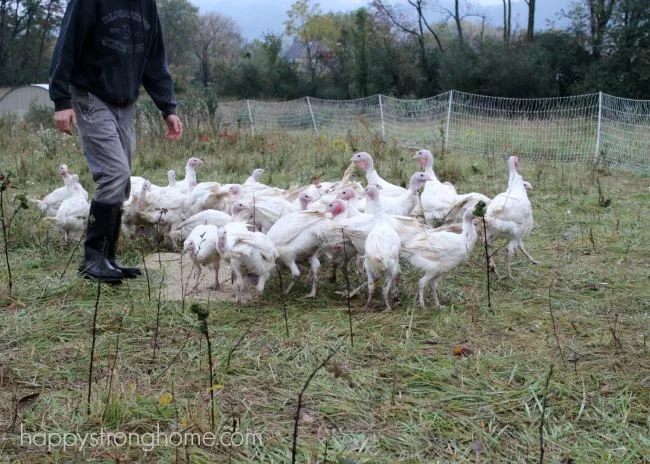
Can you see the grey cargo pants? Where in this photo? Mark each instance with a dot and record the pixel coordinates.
(107, 138)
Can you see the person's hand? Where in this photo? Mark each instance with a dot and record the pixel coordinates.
(174, 128)
(65, 120)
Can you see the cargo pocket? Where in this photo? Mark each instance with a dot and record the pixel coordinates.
(82, 104)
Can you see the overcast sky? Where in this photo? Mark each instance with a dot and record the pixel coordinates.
(256, 17)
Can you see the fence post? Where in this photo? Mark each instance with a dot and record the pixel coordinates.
(381, 114)
(313, 120)
(450, 103)
(598, 131)
(250, 117)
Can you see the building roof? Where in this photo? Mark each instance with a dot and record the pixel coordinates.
(296, 51)
(19, 100)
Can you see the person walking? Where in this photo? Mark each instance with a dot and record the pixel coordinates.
(105, 50)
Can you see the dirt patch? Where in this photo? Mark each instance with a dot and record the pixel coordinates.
(178, 281)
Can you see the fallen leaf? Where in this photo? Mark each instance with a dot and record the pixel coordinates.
(18, 404)
(606, 389)
(460, 350)
(165, 399)
(29, 397)
(17, 305)
(216, 387)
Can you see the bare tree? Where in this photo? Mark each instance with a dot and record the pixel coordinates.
(403, 24)
(458, 18)
(600, 13)
(507, 20)
(218, 44)
(416, 31)
(530, 32)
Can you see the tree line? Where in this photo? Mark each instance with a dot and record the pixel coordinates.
(388, 47)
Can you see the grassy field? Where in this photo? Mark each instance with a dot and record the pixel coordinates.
(399, 393)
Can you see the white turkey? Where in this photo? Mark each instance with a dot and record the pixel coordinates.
(207, 195)
(235, 195)
(162, 207)
(171, 178)
(249, 253)
(509, 216)
(208, 216)
(240, 213)
(334, 249)
(63, 171)
(402, 205)
(190, 181)
(365, 163)
(297, 237)
(137, 182)
(136, 186)
(356, 228)
(334, 191)
(72, 215)
(201, 246)
(381, 250)
(437, 252)
(294, 196)
(440, 201)
(267, 210)
(425, 159)
(255, 176)
(354, 205)
(71, 187)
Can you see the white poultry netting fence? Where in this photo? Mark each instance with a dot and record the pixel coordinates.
(584, 128)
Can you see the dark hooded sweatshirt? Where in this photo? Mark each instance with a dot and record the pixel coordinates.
(109, 48)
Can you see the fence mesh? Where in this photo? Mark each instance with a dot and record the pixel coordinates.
(562, 129)
(584, 128)
(625, 133)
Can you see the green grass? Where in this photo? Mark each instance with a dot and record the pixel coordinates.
(403, 396)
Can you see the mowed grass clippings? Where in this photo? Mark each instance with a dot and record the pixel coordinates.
(399, 394)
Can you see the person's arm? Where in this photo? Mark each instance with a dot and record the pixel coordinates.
(157, 78)
(78, 19)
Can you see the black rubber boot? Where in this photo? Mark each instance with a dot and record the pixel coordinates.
(99, 235)
(129, 272)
